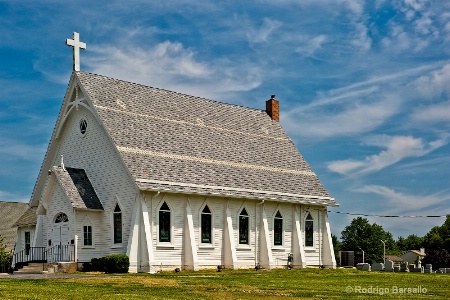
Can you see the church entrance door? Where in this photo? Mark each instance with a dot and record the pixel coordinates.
(61, 239)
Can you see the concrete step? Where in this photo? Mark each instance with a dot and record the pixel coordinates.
(32, 268)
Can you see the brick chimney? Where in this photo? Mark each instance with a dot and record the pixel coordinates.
(273, 108)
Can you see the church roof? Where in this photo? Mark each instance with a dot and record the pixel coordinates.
(78, 188)
(29, 218)
(175, 142)
(9, 213)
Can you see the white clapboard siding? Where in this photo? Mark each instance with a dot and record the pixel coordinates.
(95, 153)
(94, 219)
(313, 255)
(209, 255)
(20, 240)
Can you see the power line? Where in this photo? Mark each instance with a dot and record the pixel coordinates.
(385, 216)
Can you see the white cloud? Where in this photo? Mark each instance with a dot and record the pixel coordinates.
(310, 45)
(16, 149)
(361, 39)
(434, 84)
(353, 119)
(172, 66)
(435, 113)
(403, 202)
(396, 149)
(262, 34)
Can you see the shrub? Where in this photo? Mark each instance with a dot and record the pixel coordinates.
(98, 264)
(116, 263)
(87, 267)
(113, 263)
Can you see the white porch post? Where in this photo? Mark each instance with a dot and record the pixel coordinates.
(229, 247)
(265, 256)
(298, 250)
(148, 239)
(76, 249)
(329, 259)
(133, 240)
(190, 248)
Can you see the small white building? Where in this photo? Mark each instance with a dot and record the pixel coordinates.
(174, 180)
(413, 256)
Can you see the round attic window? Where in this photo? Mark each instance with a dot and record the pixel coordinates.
(83, 126)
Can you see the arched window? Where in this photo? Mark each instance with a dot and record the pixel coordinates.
(117, 224)
(243, 227)
(164, 223)
(309, 231)
(278, 229)
(61, 218)
(206, 228)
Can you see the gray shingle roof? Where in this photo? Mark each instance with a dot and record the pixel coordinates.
(78, 188)
(29, 218)
(9, 213)
(199, 145)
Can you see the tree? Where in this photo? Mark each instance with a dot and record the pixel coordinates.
(439, 258)
(411, 242)
(5, 256)
(360, 236)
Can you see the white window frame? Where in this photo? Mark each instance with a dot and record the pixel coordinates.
(116, 245)
(164, 244)
(201, 244)
(283, 229)
(87, 222)
(313, 228)
(249, 216)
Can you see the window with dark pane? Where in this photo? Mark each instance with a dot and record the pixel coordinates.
(164, 223)
(206, 229)
(61, 218)
(309, 231)
(278, 229)
(117, 220)
(27, 242)
(243, 227)
(87, 235)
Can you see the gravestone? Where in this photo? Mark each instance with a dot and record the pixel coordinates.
(389, 267)
(397, 268)
(363, 267)
(404, 266)
(378, 267)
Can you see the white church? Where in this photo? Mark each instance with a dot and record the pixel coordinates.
(176, 181)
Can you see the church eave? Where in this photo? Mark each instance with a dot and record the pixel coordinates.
(218, 191)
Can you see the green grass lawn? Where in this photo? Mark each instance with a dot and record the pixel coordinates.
(241, 284)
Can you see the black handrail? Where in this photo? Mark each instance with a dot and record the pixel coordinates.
(58, 253)
(61, 253)
(30, 254)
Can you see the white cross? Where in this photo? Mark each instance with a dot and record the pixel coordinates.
(77, 45)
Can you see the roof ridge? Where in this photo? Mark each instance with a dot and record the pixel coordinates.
(170, 91)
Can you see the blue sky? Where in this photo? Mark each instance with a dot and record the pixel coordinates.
(364, 85)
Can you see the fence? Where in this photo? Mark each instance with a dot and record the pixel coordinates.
(61, 253)
(58, 253)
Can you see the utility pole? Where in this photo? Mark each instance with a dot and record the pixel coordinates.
(384, 251)
(362, 252)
